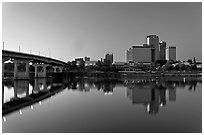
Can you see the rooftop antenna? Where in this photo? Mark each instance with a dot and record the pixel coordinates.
(19, 48)
(3, 45)
(49, 53)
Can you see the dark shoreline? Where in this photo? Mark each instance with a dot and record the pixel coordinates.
(137, 74)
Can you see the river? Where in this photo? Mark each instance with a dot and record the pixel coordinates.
(105, 105)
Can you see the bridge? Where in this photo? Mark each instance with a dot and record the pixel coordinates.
(22, 62)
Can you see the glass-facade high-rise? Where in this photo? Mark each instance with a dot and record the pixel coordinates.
(109, 58)
(150, 52)
(141, 54)
(162, 46)
(172, 53)
(154, 41)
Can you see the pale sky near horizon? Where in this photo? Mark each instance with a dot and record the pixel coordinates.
(69, 30)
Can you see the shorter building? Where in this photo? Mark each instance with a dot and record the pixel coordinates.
(172, 53)
(199, 66)
(119, 63)
(140, 54)
(90, 63)
(87, 58)
(108, 58)
(129, 55)
(79, 61)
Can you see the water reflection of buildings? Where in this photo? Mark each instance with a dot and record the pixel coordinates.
(151, 97)
(154, 93)
(84, 85)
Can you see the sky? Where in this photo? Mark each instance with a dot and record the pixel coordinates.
(65, 30)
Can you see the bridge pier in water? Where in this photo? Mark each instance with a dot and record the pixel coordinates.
(40, 85)
(21, 88)
(40, 70)
(21, 69)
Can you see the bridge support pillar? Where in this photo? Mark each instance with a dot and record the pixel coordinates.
(21, 69)
(55, 68)
(40, 70)
(58, 67)
(3, 60)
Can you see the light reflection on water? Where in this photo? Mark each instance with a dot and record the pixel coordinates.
(104, 105)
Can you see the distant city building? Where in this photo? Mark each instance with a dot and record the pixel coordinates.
(140, 54)
(149, 52)
(129, 55)
(87, 58)
(153, 40)
(120, 63)
(109, 58)
(90, 63)
(79, 61)
(162, 46)
(172, 53)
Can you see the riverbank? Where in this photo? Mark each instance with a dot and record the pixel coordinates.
(137, 73)
(163, 74)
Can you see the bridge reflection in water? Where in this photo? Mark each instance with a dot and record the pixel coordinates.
(20, 93)
(153, 93)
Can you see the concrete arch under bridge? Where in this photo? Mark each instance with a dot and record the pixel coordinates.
(22, 63)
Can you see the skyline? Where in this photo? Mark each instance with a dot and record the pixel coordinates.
(71, 30)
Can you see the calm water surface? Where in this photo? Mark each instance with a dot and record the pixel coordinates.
(107, 105)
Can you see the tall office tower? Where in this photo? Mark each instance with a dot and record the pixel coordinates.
(162, 46)
(109, 58)
(153, 40)
(172, 52)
